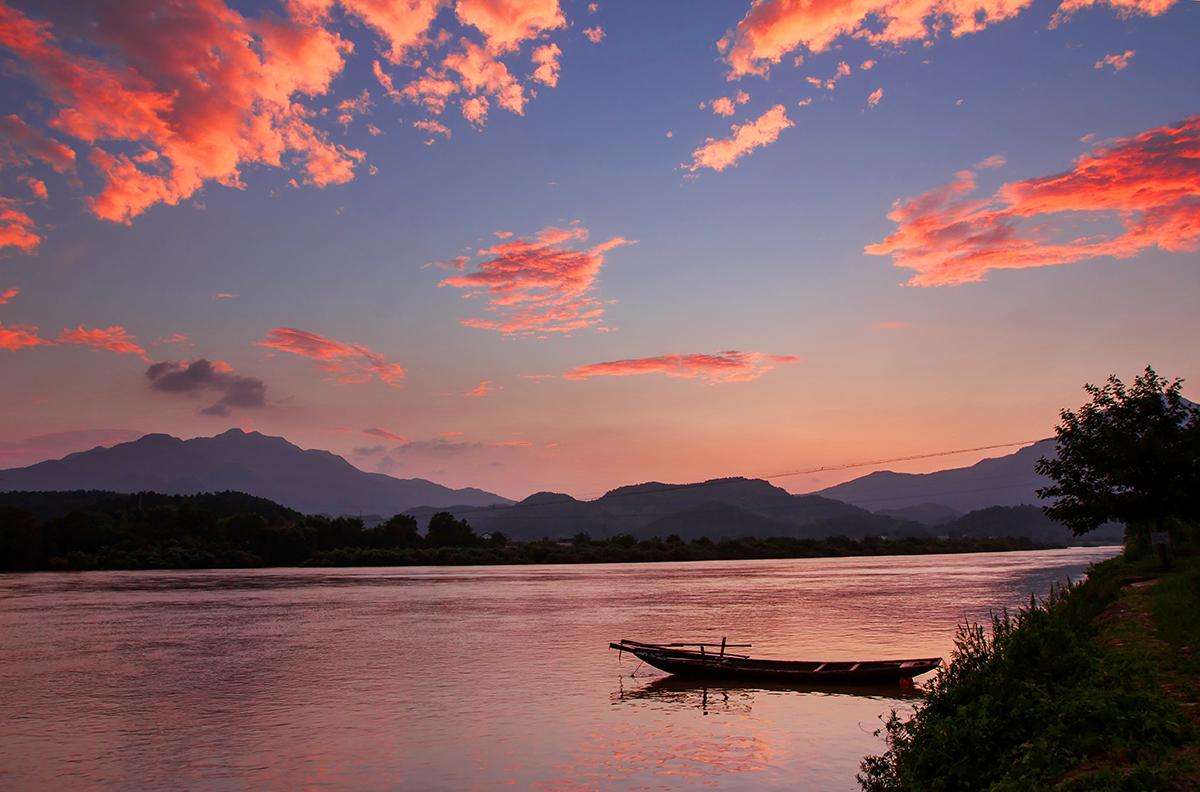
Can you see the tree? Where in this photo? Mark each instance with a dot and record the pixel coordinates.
(399, 531)
(1132, 454)
(445, 531)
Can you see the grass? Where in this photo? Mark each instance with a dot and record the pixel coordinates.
(1093, 688)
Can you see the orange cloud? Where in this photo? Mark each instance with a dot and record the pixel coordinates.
(21, 142)
(1118, 62)
(505, 24)
(354, 106)
(35, 186)
(480, 72)
(113, 339)
(220, 96)
(594, 34)
(720, 153)
(538, 286)
(349, 363)
(432, 127)
(483, 389)
(867, 65)
(546, 59)
(730, 366)
(8, 294)
(875, 98)
(1124, 8)
(17, 229)
(401, 24)
(16, 337)
(724, 105)
(1147, 186)
(224, 296)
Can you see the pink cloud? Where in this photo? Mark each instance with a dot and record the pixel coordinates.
(224, 296)
(1117, 62)
(189, 93)
(8, 295)
(505, 24)
(594, 34)
(772, 29)
(875, 98)
(401, 24)
(1147, 185)
(538, 286)
(17, 229)
(720, 153)
(113, 339)
(35, 186)
(480, 72)
(180, 339)
(347, 363)
(867, 65)
(730, 366)
(428, 125)
(21, 142)
(16, 337)
(483, 389)
(725, 105)
(357, 105)
(546, 59)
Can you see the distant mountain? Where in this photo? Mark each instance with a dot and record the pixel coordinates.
(720, 507)
(1001, 481)
(1029, 522)
(313, 482)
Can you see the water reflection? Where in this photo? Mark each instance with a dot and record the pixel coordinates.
(466, 678)
(724, 696)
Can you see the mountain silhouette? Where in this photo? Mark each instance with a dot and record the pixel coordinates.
(1000, 481)
(309, 481)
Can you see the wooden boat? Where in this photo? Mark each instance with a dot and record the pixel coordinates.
(676, 658)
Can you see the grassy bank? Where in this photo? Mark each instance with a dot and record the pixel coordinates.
(1096, 687)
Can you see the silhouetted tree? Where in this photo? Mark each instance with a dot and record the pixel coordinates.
(445, 531)
(497, 538)
(1132, 454)
(400, 531)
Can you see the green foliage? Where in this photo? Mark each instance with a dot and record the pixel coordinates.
(1132, 455)
(1031, 700)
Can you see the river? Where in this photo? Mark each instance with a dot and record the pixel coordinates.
(466, 677)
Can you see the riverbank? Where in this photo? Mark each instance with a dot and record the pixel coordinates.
(1096, 687)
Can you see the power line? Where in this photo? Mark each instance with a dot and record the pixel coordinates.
(675, 487)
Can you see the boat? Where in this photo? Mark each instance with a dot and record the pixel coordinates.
(691, 659)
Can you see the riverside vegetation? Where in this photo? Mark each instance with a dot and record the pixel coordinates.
(1097, 686)
(99, 530)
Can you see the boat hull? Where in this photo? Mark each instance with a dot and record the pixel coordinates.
(713, 666)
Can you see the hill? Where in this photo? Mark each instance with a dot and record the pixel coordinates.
(1000, 481)
(309, 481)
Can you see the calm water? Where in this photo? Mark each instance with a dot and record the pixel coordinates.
(464, 677)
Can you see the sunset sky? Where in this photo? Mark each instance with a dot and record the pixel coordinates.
(556, 245)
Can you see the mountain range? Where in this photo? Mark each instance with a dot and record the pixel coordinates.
(310, 481)
(991, 498)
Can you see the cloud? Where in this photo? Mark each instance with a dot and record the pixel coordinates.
(875, 98)
(720, 153)
(724, 105)
(209, 378)
(867, 65)
(180, 339)
(8, 294)
(17, 229)
(1145, 188)
(16, 337)
(357, 105)
(546, 59)
(36, 187)
(348, 363)
(385, 434)
(431, 127)
(1124, 8)
(994, 161)
(186, 94)
(39, 448)
(594, 34)
(113, 339)
(401, 24)
(481, 73)
(1117, 62)
(730, 366)
(772, 29)
(19, 142)
(505, 24)
(538, 286)
(483, 389)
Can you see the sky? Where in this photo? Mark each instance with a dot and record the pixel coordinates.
(533, 245)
